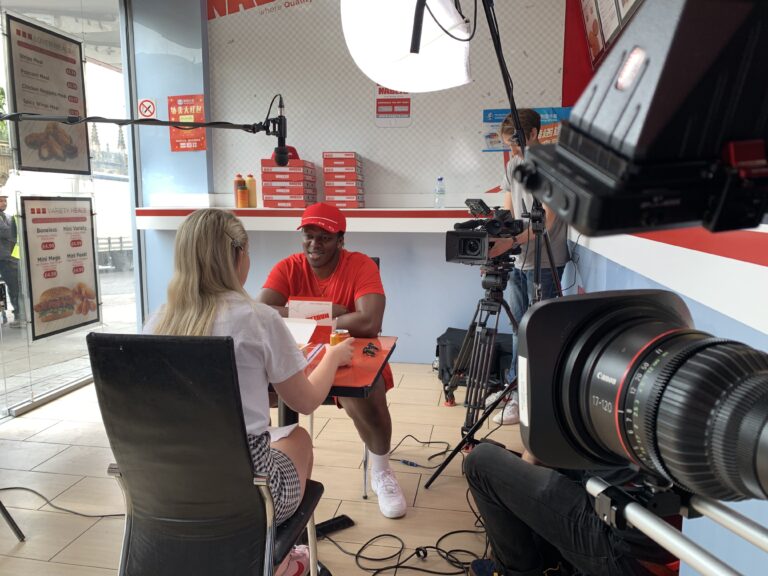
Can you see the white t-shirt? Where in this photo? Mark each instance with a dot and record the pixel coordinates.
(265, 352)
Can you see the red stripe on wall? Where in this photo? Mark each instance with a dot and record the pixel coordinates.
(577, 69)
(742, 245)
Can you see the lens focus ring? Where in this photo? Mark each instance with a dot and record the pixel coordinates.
(689, 413)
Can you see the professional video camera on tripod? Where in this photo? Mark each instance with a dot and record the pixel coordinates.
(472, 242)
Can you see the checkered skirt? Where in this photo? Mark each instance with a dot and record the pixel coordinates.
(284, 481)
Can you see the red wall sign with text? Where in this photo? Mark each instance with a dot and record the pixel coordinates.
(188, 108)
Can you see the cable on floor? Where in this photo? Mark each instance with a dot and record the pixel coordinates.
(52, 505)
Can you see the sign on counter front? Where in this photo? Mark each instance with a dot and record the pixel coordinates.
(61, 263)
(46, 73)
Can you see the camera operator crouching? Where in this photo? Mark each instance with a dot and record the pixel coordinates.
(542, 521)
(521, 279)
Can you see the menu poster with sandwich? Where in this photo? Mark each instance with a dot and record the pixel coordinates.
(46, 78)
(61, 263)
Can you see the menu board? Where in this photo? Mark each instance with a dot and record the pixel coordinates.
(46, 77)
(61, 263)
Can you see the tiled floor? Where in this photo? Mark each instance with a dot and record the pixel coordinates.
(61, 450)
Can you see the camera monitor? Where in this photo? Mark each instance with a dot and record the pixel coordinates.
(669, 130)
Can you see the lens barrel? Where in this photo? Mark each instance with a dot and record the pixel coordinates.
(639, 386)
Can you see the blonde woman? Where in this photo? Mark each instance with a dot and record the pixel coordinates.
(206, 298)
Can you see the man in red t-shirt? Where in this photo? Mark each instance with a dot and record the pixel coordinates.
(351, 280)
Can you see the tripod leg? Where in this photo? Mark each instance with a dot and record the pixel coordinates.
(552, 267)
(12, 523)
(480, 370)
(470, 435)
(461, 363)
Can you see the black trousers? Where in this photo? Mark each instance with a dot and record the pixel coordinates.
(534, 516)
(9, 270)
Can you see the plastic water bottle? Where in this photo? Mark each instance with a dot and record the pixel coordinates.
(440, 193)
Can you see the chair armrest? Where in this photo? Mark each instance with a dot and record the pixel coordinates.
(114, 470)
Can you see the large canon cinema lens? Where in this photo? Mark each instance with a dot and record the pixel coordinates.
(677, 402)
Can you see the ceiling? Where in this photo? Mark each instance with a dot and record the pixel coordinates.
(94, 22)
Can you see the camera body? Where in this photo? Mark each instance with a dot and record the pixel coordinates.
(469, 242)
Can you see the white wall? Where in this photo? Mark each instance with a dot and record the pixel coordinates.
(298, 50)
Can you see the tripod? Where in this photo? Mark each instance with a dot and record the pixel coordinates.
(537, 218)
(476, 354)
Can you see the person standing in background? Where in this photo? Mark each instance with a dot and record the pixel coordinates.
(9, 265)
(519, 201)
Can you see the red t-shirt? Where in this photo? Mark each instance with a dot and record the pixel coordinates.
(356, 275)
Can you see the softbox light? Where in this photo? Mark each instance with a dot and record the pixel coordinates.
(378, 36)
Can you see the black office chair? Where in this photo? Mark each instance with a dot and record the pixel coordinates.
(172, 411)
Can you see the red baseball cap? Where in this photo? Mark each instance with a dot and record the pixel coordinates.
(325, 216)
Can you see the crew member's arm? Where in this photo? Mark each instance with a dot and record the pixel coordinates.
(366, 320)
(279, 302)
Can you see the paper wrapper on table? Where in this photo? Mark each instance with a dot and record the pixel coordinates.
(316, 309)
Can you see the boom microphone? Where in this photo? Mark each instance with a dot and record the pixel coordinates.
(281, 152)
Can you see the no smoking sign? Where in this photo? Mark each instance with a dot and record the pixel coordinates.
(147, 108)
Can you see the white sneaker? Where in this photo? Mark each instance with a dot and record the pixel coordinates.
(492, 398)
(511, 412)
(391, 499)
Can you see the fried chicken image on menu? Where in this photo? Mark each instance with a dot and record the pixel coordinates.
(52, 143)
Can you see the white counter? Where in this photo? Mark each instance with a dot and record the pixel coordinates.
(276, 219)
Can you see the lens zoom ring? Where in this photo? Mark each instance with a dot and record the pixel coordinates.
(683, 427)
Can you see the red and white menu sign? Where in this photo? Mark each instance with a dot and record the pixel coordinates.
(61, 263)
(188, 108)
(392, 108)
(46, 74)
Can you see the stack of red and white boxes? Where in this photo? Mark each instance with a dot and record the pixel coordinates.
(343, 172)
(291, 186)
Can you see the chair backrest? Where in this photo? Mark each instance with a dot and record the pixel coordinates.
(172, 411)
